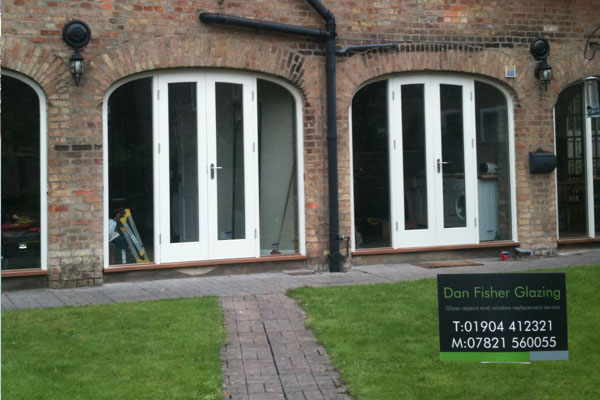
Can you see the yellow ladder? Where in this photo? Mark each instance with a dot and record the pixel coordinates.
(128, 229)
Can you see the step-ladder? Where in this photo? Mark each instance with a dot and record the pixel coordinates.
(129, 231)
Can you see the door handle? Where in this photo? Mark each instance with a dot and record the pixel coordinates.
(440, 163)
(213, 167)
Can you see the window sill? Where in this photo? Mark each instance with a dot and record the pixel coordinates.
(389, 250)
(153, 266)
(15, 273)
(582, 240)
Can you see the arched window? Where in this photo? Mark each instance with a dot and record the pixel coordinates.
(578, 169)
(23, 174)
(202, 166)
(432, 162)
(130, 168)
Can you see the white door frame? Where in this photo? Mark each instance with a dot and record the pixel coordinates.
(588, 168)
(175, 252)
(589, 173)
(233, 248)
(209, 245)
(396, 181)
(468, 234)
(435, 234)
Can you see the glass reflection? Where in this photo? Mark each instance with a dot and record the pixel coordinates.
(493, 181)
(183, 162)
(570, 171)
(371, 168)
(414, 157)
(20, 175)
(130, 175)
(230, 161)
(452, 163)
(277, 170)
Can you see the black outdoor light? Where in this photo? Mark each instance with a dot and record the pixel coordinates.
(76, 34)
(540, 50)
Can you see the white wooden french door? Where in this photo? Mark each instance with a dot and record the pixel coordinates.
(433, 162)
(208, 167)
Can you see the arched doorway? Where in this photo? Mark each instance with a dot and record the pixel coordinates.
(209, 165)
(433, 162)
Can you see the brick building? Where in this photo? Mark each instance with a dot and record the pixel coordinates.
(214, 136)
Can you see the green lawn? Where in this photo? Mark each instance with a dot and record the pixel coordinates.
(384, 341)
(167, 349)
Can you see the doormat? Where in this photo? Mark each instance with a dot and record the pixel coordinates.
(445, 264)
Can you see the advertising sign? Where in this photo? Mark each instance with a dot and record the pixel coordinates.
(503, 317)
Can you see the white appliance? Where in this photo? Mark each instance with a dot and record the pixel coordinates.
(454, 202)
(488, 209)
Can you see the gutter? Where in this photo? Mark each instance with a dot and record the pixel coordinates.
(223, 19)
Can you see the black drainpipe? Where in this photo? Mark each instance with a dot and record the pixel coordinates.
(335, 258)
(329, 36)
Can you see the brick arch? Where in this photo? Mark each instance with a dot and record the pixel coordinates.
(197, 52)
(567, 71)
(44, 67)
(358, 69)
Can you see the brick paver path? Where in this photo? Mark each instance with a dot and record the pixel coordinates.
(270, 354)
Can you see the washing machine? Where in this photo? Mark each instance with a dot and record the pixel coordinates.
(455, 210)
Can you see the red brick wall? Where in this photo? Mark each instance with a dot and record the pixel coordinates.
(469, 36)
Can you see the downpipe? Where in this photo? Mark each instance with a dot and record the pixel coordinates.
(335, 257)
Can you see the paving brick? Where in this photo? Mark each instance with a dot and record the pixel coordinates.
(267, 396)
(295, 395)
(313, 395)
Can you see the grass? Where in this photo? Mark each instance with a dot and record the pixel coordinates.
(167, 349)
(384, 341)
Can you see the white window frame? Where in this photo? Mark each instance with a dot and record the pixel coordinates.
(156, 191)
(447, 78)
(43, 163)
(589, 169)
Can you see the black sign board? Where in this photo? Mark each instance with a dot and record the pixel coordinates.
(503, 317)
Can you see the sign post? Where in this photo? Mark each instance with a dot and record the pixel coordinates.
(503, 317)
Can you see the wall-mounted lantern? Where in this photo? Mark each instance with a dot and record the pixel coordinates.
(591, 97)
(76, 34)
(540, 50)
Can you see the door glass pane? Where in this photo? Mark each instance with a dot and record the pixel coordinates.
(451, 114)
(493, 175)
(277, 169)
(414, 157)
(20, 175)
(183, 162)
(229, 172)
(130, 175)
(570, 171)
(371, 168)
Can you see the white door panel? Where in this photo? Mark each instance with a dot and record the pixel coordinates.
(232, 156)
(207, 167)
(434, 164)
